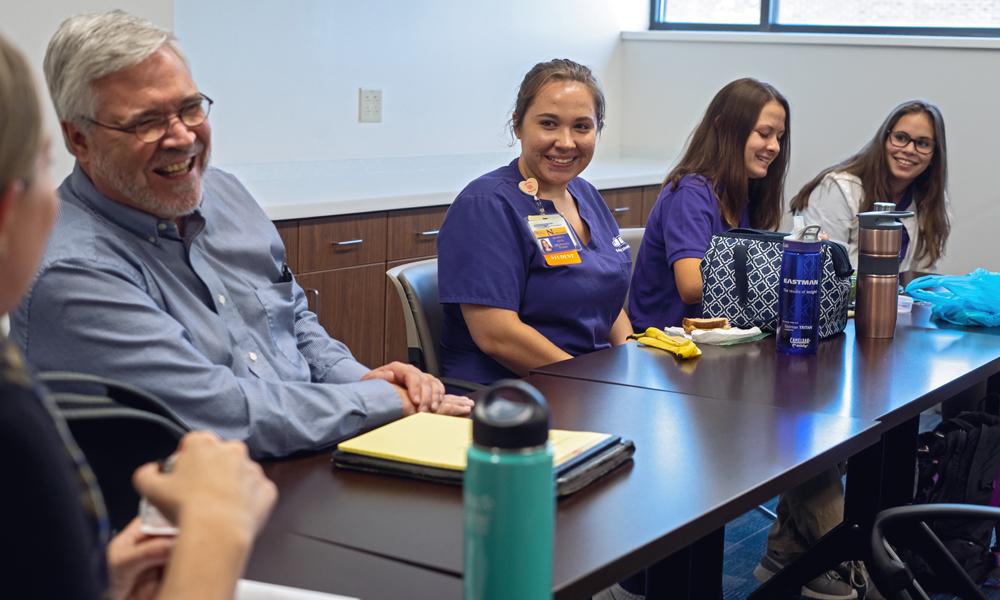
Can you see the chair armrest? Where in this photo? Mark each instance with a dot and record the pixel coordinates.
(892, 575)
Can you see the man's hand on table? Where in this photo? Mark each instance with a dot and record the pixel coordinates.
(420, 392)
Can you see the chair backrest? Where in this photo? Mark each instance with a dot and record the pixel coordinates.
(633, 235)
(72, 387)
(116, 442)
(417, 286)
(119, 428)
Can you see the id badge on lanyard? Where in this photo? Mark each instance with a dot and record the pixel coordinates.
(552, 233)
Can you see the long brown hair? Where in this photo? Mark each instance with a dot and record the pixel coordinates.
(871, 166)
(716, 150)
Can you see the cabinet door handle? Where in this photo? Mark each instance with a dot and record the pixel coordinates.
(621, 210)
(316, 305)
(345, 243)
(429, 233)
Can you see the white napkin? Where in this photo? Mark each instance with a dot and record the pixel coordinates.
(723, 336)
(715, 336)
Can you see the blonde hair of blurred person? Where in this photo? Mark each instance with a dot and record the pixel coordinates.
(216, 495)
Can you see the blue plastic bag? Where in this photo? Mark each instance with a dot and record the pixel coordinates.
(972, 299)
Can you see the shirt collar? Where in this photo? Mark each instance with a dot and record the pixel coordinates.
(515, 176)
(144, 225)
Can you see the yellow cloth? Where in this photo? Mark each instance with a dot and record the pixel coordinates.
(680, 347)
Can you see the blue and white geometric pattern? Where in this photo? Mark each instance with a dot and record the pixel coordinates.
(758, 304)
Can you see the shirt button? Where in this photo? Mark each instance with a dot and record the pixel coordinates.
(253, 356)
(152, 239)
(222, 299)
(161, 226)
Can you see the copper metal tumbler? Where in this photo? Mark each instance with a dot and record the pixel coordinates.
(880, 239)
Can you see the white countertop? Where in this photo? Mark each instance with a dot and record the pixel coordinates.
(314, 189)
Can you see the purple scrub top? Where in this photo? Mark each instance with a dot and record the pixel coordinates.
(488, 256)
(681, 225)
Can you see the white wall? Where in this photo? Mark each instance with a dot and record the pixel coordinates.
(285, 75)
(839, 95)
(29, 25)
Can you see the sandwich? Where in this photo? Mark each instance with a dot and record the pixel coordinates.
(713, 323)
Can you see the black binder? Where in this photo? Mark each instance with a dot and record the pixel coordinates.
(571, 476)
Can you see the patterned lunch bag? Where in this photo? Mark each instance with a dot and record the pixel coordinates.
(740, 275)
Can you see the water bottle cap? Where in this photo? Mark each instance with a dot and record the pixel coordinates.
(805, 239)
(511, 414)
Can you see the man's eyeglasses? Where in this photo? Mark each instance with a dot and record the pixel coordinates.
(901, 139)
(152, 129)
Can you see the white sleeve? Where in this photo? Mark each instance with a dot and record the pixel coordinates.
(834, 208)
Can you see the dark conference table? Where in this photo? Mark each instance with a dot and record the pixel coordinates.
(300, 561)
(699, 463)
(890, 381)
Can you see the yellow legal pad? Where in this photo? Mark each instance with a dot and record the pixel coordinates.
(441, 441)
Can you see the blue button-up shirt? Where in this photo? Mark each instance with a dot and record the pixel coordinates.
(210, 320)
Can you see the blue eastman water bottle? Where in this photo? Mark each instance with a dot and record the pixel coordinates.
(799, 293)
(509, 497)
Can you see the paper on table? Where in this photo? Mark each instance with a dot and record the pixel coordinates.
(441, 441)
(719, 336)
(258, 590)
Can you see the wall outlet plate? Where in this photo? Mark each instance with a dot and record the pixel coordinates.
(369, 106)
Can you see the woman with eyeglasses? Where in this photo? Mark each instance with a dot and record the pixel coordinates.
(906, 164)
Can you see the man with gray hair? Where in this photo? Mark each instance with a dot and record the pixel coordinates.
(164, 272)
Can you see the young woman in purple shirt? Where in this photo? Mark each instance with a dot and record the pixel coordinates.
(513, 298)
(732, 175)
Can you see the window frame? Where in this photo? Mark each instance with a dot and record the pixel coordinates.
(765, 24)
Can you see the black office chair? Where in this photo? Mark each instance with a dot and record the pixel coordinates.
(906, 527)
(119, 428)
(416, 284)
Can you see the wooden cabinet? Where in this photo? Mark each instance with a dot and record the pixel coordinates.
(337, 242)
(350, 303)
(341, 262)
(626, 206)
(342, 269)
(413, 233)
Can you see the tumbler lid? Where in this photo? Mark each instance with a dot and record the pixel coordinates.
(883, 219)
(511, 414)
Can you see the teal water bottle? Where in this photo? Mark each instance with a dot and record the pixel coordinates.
(509, 496)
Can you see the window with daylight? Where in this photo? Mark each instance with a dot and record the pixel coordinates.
(905, 17)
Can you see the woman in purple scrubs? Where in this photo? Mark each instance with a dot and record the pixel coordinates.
(732, 175)
(531, 268)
